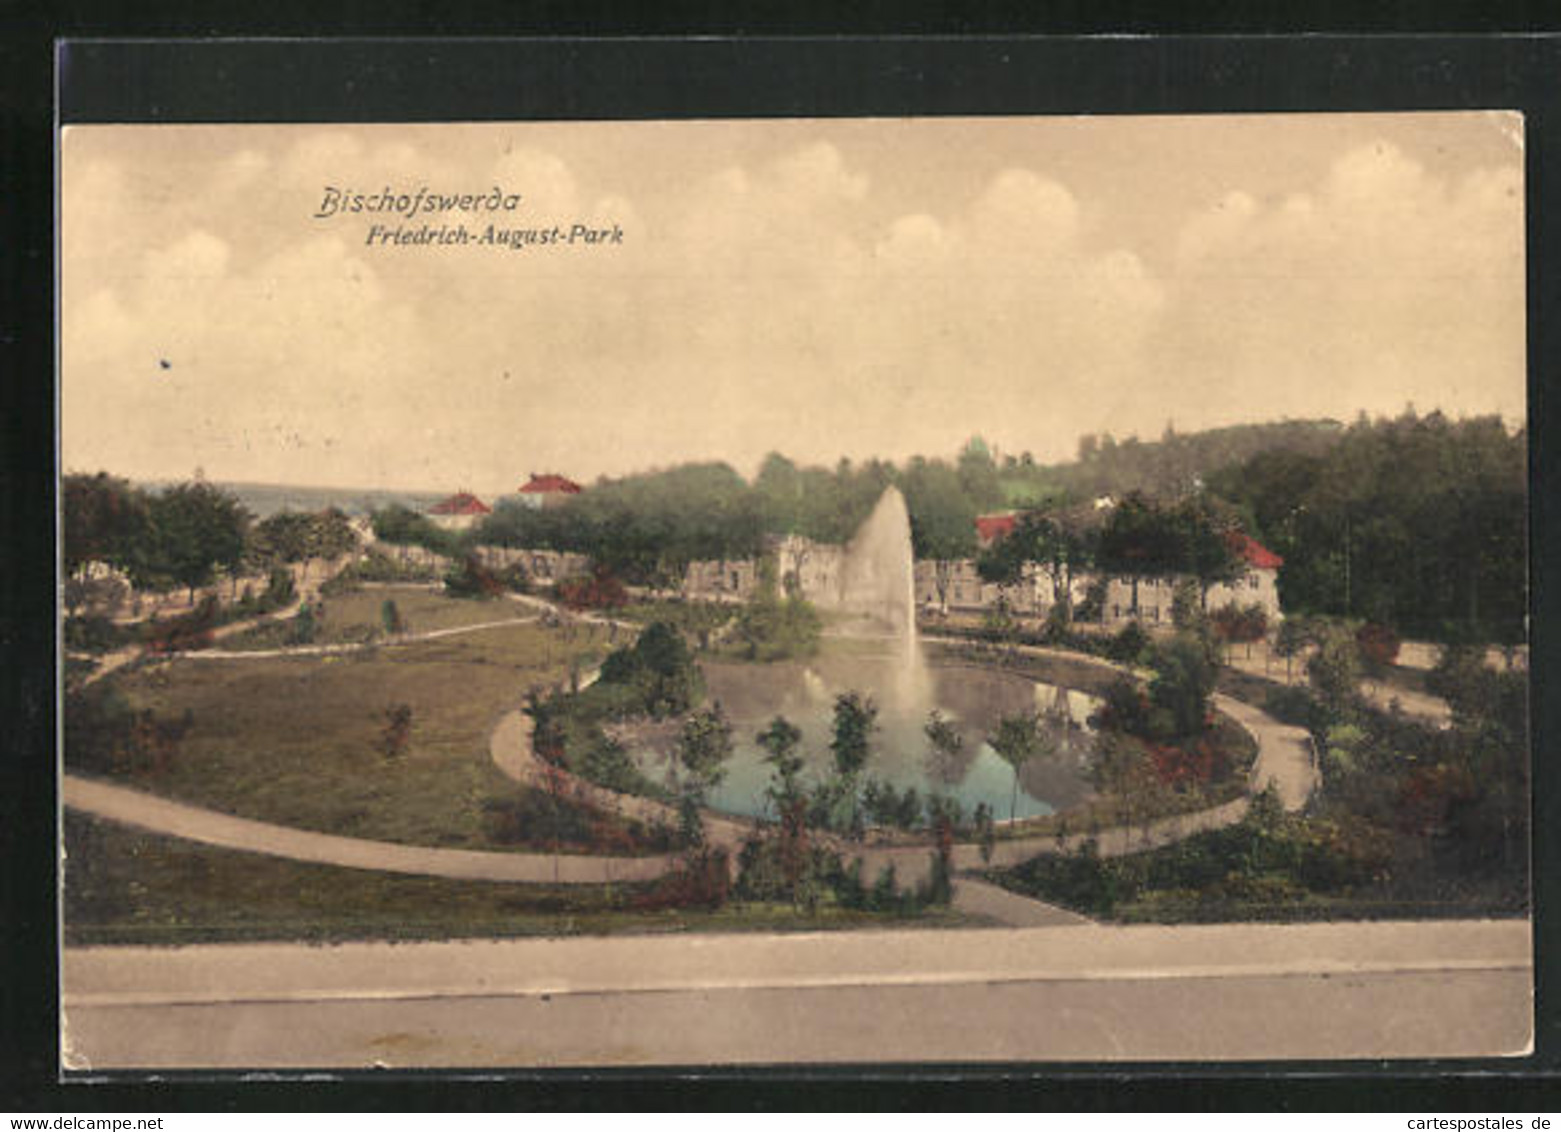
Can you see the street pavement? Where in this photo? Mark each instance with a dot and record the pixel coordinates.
(1088, 992)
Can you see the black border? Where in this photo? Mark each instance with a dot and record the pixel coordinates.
(736, 76)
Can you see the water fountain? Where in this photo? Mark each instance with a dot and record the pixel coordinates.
(878, 586)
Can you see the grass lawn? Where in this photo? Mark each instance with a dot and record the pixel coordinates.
(355, 617)
(123, 886)
(297, 740)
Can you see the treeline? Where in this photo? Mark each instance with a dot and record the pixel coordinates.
(1174, 463)
(649, 527)
(1415, 522)
(186, 535)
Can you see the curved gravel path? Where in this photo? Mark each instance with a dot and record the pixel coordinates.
(148, 811)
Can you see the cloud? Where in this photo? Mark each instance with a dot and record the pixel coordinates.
(1381, 284)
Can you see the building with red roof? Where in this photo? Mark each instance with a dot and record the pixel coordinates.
(1254, 553)
(460, 511)
(548, 489)
(990, 528)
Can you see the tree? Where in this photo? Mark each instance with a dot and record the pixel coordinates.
(1018, 739)
(946, 762)
(703, 749)
(1209, 539)
(776, 628)
(1140, 540)
(779, 741)
(390, 618)
(1334, 669)
(1183, 682)
(943, 519)
(192, 530)
(331, 535)
(1292, 637)
(103, 518)
(1058, 546)
(856, 718)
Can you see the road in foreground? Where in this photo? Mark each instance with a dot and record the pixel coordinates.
(1448, 989)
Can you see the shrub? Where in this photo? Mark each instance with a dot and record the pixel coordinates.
(280, 590)
(390, 618)
(600, 591)
(186, 633)
(398, 730)
(661, 669)
(606, 763)
(1295, 706)
(1184, 679)
(96, 633)
(1129, 644)
(703, 880)
(469, 578)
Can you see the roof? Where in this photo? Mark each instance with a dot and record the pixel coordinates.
(991, 527)
(550, 484)
(1258, 556)
(461, 503)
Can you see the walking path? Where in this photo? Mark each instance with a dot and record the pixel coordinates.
(978, 898)
(354, 646)
(193, 823)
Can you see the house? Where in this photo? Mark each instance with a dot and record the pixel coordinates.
(548, 490)
(990, 528)
(1258, 585)
(460, 512)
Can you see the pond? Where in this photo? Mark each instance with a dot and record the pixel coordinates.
(972, 698)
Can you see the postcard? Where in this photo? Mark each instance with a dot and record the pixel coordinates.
(794, 591)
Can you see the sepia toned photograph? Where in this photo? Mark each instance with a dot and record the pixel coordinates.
(761, 592)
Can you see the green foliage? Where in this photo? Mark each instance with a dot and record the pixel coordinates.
(97, 634)
(1187, 608)
(1334, 670)
(1018, 739)
(1418, 523)
(661, 670)
(1140, 540)
(1267, 859)
(888, 807)
(855, 720)
(402, 526)
(946, 761)
(774, 628)
(1129, 644)
(704, 747)
(377, 566)
(296, 536)
(305, 625)
(390, 618)
(608, 764)
(469, 578)
(103, 519)
(1183, 682)
(780, 741)
(191, 531)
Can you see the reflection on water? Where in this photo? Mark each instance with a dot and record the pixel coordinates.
(971, 698)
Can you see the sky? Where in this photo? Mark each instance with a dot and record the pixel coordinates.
(824, 288)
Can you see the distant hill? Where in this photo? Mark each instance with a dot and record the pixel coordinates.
(1160, 467)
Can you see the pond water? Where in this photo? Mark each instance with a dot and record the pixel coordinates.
(972, 698)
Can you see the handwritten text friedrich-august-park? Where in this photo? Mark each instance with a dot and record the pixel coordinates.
(426, 218)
